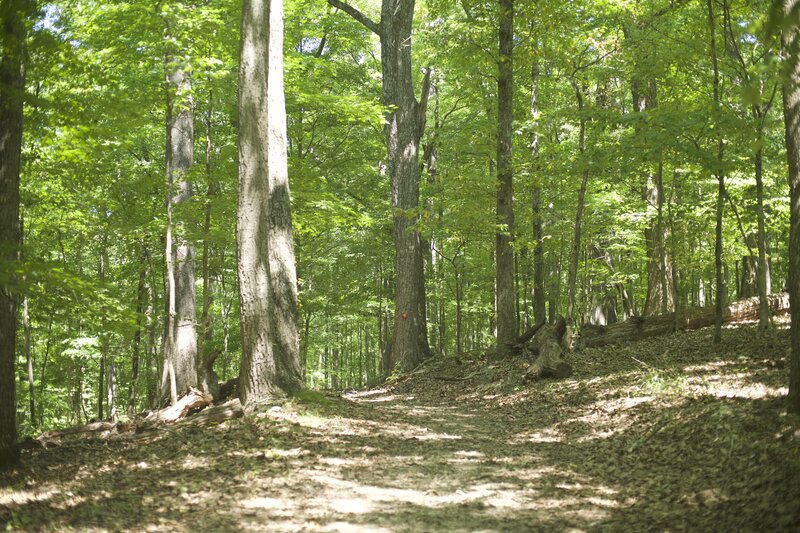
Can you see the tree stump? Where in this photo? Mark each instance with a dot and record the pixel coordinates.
(544, 345)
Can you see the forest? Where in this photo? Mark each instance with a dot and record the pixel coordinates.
(399, 265)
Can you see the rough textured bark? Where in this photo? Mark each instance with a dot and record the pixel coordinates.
(791, 113)
(504, 254)
(180, 347)
(12, 87)
(404, 125)
(405, 122)
(267, 278)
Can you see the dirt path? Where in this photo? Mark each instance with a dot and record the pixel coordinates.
(696, 441)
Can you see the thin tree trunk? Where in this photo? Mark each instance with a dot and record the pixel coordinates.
(576, 240)
(26, 326)
(763, 267)
(137, 335)
(539, 311)
(720, 281)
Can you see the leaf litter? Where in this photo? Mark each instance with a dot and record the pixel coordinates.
(671, 433)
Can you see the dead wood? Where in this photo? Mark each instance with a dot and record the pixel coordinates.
(216, 415)
(641, 328)
(544, 345)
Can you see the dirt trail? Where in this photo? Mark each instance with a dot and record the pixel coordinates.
(694, 441)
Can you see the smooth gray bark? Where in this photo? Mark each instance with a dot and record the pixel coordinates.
(267, 279)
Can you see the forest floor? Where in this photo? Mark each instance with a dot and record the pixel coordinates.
(673, 433)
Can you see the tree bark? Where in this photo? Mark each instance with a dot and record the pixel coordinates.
(539, 311)
(405, 122)
(504, 254)
(180, 347)
(720, 175)
(762, 272)
(137, 335)
(12, 89)
(791, 113)
(572, 280)
(267, 277)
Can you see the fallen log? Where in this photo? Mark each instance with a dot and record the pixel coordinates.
(216, 415)
(193, 401)
(644, 327)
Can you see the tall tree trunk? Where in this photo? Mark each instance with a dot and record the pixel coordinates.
(504, 254)
(405, 122)
(267, 277)
(574, 255)
(104, 352)
(791, 113)
(539, 311)
(137, 335)
(180, 347)
(763, 267)
(12, 89)
(720, 174)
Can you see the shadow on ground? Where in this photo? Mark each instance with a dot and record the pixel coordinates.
(682, 437)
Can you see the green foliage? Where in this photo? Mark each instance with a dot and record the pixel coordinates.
(93, 184)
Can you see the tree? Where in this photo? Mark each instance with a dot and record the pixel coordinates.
(791, 113)
(180, 344)
(504, 254)
(719, 300)
(12, 91)
(267, 279)
(405, 123)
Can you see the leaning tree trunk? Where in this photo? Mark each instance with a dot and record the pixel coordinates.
(791, 113)
(12, 88)
(267, 278)
(504, 254)
(180, 347)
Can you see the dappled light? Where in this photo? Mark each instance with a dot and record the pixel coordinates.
(673, 444)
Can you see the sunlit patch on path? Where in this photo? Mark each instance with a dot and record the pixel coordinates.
(672, 437)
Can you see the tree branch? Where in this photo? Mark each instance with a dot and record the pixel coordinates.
(357, 15)
(422, 107)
